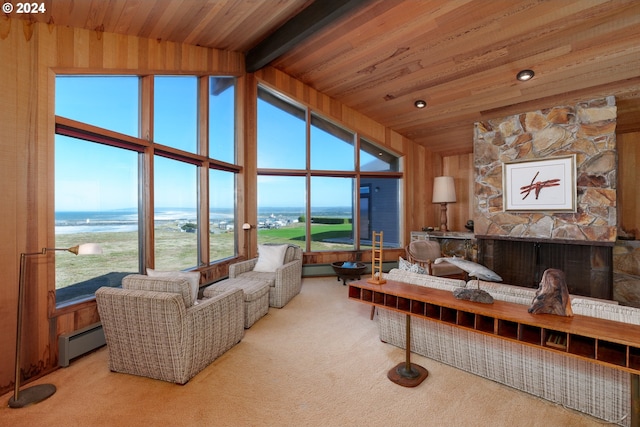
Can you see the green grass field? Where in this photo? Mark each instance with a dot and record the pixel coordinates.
(176, 250)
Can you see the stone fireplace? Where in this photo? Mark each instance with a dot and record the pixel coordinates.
(520, 245)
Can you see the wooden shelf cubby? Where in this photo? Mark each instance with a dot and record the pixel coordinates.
(606, 342)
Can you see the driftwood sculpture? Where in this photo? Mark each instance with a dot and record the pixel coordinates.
(552, 296)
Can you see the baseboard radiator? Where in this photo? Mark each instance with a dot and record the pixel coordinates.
(79, 342)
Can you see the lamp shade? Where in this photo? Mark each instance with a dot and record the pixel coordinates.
(443, 190)
(89, 249)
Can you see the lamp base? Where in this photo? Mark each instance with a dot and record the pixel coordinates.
(443, 217)
(408, 378)
(31, 395)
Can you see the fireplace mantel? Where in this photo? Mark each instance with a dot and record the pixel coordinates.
(545, 240)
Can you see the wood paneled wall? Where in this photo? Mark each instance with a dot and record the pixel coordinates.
(31, 55)
(461, 169)
(628, 188)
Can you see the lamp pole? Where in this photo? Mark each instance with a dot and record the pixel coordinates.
(40, 392)
(35, 393)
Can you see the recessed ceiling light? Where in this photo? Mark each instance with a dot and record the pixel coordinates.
(525, 75)
(420, 103)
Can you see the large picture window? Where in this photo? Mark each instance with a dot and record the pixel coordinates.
(175, 214)
(96, 201)
(222, 125)
(332, 215)
(117, 175)
(373, 159)
(222, 214)
(379, 198)
(353, 184)
(282, 209)
(332, 148)
(118, 108)
(281, 133)
(176, 112)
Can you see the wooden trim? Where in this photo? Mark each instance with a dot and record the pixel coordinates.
(73, 307)
(247, 157)
(146, 113)
(179, 155)
(145, 165)
(285, 172)
(203, 115)
(223, 166)
(382, 174)
(282, 172)
(146, 199)
(203, 172)
(203, 215)
(545, 240)
(78, 130)
(144, 72)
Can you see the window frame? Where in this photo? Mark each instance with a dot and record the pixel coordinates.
(147, 149)
(356, 174)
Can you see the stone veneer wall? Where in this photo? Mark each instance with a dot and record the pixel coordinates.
(586, 130)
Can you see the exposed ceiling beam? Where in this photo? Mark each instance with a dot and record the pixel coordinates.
(312, 19)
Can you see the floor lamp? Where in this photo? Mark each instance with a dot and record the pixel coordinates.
(247, 228)
(40, 392)
(443, 192)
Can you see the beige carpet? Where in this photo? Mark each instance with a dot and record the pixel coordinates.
(316, 362)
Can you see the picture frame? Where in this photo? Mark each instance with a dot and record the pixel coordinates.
(540, 185)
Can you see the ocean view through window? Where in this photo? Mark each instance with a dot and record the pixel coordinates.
(88, 199)
(176, 240)
(115, 183)
(163, 195)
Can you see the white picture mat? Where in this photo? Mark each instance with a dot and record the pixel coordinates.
(556, 196)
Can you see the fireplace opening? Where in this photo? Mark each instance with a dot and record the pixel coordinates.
(588, 266)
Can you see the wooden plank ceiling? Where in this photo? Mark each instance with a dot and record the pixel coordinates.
(379, 57)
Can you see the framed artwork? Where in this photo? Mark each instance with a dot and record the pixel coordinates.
(540, 185)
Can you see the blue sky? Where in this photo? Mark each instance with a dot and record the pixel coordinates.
(113, 104)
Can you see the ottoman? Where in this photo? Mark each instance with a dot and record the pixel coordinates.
(256, 296)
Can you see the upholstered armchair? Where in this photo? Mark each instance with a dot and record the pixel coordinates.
(154, 329)
(425, 252)
(285, 280)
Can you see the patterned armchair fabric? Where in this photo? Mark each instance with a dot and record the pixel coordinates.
(284, 284)
(152, 330)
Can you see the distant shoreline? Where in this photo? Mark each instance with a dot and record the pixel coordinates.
(126, 220)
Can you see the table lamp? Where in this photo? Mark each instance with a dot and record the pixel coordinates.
(444, 192)
(40, 392)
